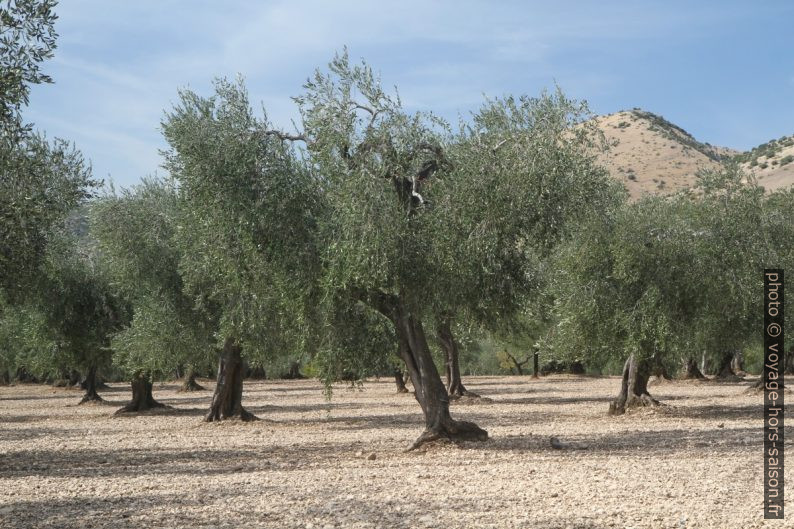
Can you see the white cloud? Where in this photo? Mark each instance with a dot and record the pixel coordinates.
(120, 63)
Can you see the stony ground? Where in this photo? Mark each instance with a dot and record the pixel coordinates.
(696, 463)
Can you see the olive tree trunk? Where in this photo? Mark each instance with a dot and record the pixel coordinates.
(518, 364)
(737, 363)
(142, 398)
(449, 345)
(725, 366)
(227, 399)
(691, 370)
(90, 386)
(190, 384)
(634, 387)
(400, 381)
(428, 387)
(429, 390)
(535, 362)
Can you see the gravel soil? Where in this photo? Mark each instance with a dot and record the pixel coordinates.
(314, 463)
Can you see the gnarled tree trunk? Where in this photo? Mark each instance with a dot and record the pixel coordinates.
(737, 363)
(634, 387)
(5, 378)
(449, 345)
(257, 373)
(725, 367)
(190, 383)
(535, 363)
(691, 370)
(400, 381)
(519, 365)
(428, 388)
(90, 387)
(142, 398)
(227, 399)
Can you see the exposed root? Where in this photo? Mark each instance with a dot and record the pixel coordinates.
(89, 398)
(451, 431)
(242, 415)
(620, 406)
(470, 398)
(191, 385)
(463, 393)
(134, 407)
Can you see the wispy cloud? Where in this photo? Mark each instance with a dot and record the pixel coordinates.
(119, 64)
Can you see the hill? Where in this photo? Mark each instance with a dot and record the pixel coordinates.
(651, 155)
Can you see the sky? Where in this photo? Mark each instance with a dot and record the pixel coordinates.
(724, 71)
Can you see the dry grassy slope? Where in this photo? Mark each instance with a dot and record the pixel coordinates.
(772, 163)
(653, 156)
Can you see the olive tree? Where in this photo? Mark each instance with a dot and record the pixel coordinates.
(27, 38)
(80, 307)
(731, 250)
(425, 225)
(663, 278)
(136, 233)
(247, 234)
(625, 291)
(524, 174)
(41, 181)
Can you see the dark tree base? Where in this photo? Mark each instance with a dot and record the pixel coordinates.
(134, 407)
(455, 387)
(634, 388)
(90, 386)
(451, 430)
(619, 406)
(400, 381)
(227, 399)
(142, 399)
(725, 372)
(87, 398)
(242, 415)
(461, 391)
(692, 372)
(190, 384)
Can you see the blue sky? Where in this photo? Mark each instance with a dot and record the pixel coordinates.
(724, 71)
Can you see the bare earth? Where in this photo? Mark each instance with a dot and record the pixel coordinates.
(696, 463)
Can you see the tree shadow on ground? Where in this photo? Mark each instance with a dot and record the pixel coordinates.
(645, 443)
(104, 463)
(508, 389)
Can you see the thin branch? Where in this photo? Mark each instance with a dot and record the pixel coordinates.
(283, 136)
(499, 145)
(372, 112)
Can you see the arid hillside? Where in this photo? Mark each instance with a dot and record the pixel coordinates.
(650, 155)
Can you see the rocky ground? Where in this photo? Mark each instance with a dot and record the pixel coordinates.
(310, 462)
